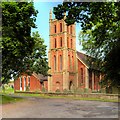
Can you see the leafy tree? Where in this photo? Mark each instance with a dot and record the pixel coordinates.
(17, 43)
(100, 24)
(37, 61)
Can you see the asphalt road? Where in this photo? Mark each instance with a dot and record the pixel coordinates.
(59, 108)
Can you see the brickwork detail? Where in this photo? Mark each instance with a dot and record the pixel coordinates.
(63, 48)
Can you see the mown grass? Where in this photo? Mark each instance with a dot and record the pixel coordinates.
(66, 97)
(9, 99)
(5, 97)
(9, 90)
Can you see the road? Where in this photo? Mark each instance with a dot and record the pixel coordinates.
(59, 108)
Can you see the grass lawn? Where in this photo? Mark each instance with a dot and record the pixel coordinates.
(8, 99)
(65, 97)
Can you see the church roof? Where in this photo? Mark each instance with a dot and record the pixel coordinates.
(85, 60)
(40, 76)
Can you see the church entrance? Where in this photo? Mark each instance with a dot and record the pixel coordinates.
(57, 85)
(71, 85)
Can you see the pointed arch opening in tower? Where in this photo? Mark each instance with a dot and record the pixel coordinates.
(71, 29)
(71, 43)
(60, 62)
(69, 62)
(67, 42)
(55, 43)
(55, 30)
(60, 41)
(60, 27)
(54, 63)
(72, 63)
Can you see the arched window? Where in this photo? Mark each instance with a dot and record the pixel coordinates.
(60, 41)
(68, 62)
(54, 62)
(70, 29)
(82, 75)
(60, 62)
(60, 27)
(70, 85)
(55, 29)
(67, 42)
(72, 63)
(71, 43)
(55, 43)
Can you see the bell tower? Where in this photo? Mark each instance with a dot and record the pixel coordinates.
(62, 55)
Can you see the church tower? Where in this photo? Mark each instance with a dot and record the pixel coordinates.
(62, 56)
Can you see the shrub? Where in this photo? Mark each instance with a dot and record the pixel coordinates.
(102, 90)
(79, 90)
(57, 91)
(70, 91)
(65, 91)
(3, 88)
(109, 90)
(27, 88)
(115, 90)
(43, 89)
(37, 91)
(87, 90)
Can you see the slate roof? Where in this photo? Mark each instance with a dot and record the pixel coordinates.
(40, 77)
(85, 59)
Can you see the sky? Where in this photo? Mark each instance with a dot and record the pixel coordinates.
(42, 22)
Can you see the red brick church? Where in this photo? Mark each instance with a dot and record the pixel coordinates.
(69, 68)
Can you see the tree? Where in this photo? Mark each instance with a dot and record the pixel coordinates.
(18, 18)
(100, 24)
(37, 61)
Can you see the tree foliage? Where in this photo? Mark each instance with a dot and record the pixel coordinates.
(100, 34)
(18, 18)
(37, 61)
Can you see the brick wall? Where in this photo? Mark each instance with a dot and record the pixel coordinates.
(35, 84)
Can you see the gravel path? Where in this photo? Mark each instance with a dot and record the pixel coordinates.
(59, 108)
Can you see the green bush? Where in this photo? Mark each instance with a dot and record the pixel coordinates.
(43, 89)
(70, 91)
(37, 91)
(65, 91)
(87, 90)
(27, 88)
(109, 90)
(57, 91)
(79, 90)
(115, 90)
(102, 90)
(3, 88)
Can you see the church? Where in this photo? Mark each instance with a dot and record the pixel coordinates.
(69, 68)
